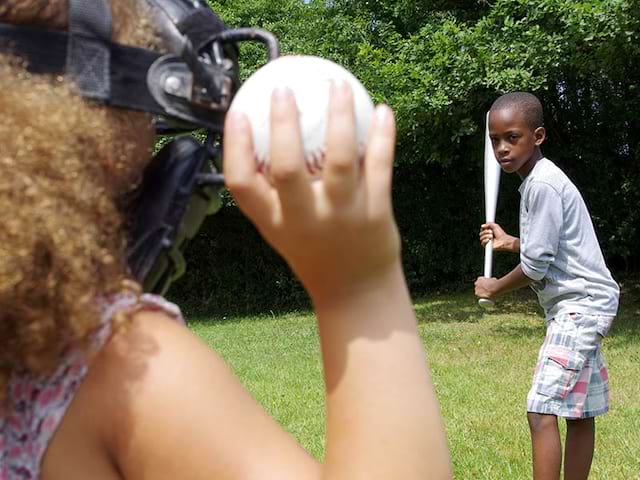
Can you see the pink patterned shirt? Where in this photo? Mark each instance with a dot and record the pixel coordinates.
(39, 404)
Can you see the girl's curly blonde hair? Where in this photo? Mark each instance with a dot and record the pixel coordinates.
(64, 164)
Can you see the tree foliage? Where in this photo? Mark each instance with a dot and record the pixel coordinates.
(440, 64)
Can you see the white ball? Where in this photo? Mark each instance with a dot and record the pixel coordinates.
(309, 78)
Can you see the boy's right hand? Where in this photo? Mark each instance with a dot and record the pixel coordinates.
(338, 233)
(502, 242)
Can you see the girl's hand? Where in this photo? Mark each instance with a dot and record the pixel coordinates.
(337, 233)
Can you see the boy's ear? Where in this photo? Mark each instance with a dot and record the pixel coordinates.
(540, 135)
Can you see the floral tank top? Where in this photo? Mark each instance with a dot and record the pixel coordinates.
(39, 404)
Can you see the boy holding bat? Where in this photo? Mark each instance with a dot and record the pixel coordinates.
(560, 258)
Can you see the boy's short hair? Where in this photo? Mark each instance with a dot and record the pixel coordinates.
(524, 102)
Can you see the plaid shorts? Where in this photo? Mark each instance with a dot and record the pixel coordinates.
(570, 378)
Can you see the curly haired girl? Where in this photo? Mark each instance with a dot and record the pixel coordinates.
(100, 381)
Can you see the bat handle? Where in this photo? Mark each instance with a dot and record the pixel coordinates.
(488, 267)
(488, 259)
(486, 302)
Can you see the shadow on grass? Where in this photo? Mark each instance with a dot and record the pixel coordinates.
(463, 307)
(625, 329)
(271, 316)
(446, 311)
(520, 330)
(205, 310)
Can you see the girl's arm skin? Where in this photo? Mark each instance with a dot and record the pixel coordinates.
(170, 408)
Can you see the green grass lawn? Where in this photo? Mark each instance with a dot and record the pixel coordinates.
(481, 363)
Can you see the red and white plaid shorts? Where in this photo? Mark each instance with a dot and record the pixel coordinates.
(571, 378)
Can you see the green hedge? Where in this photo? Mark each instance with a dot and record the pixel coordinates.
(440, 69)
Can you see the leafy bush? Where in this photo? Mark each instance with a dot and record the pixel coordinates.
(440, 64)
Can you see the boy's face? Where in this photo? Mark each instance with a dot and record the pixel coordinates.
(515, 143)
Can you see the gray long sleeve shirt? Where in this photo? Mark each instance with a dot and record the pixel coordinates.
(559, 249)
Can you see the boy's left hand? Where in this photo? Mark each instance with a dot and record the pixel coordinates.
(486, 287)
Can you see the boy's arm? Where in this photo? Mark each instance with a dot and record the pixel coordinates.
(502, 241)
(493, 287)
(545, 223)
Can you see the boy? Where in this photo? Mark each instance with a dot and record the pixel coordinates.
(560, 258)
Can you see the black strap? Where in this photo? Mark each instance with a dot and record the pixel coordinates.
(201, 26)
(89, 53)
(46, 53)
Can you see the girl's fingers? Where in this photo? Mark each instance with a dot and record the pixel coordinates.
(379, 159)
(250, 189)
(340, 173)
(288, 172)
